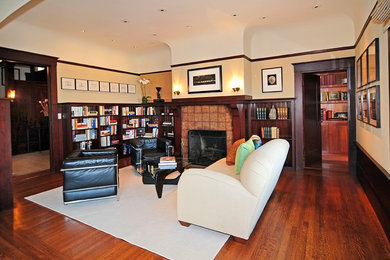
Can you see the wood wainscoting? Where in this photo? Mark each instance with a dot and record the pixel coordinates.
(376, 185)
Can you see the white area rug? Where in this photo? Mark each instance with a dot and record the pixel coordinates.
(140, 218)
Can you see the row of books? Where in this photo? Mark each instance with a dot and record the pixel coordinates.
(129, 134)
(108, 110)
(333, 95)
(138, 122)
(85, 123)
(109, 130)
(83, 111)
(269, 132)
(89, 134)
(105, 141)
(167, 162)
(262, 113)
(85, 145)
(107, 120)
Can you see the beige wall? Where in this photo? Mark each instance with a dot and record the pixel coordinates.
(376, 140)
(80, 72)
(163, 80)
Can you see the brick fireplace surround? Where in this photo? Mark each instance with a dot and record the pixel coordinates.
(205, 117)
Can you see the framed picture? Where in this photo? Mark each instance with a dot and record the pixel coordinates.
(104, 86)
(359, 106)
(93, 85)
(272, 80)
(374, 106)
(123, 88)
(131, 88)
(373, 61)
(364, 68)
(205, 80)
(16, 74)
(68, 83)
(359, 73)
(81, 84)
(365, 106)
(334, 95)
(114, 87)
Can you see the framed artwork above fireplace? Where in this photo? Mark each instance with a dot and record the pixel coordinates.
(203, 80)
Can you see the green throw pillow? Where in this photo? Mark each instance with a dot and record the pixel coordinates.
(243, 152)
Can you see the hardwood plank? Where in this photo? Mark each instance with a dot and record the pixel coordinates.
(311, 215)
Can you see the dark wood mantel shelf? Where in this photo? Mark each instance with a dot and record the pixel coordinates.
(212, 100)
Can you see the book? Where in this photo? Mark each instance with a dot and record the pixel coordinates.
(166, 159)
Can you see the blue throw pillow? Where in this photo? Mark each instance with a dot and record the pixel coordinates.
(243, 152)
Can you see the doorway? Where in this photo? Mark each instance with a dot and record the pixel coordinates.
(303, 126)
(29, 107)
(325, 119)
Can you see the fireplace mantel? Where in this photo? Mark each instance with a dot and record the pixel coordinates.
(220, 100)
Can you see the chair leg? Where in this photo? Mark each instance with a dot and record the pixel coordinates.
(185, 224)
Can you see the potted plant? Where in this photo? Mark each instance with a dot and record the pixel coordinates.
(143, 83)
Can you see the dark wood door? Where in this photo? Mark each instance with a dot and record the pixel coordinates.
(312, 121)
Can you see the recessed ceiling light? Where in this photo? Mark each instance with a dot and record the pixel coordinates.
(124, 21)
(234, 15)
(162, 10)
(154, 34)
(263, 17)
(316, 6)
(83, 31)
(188, 26)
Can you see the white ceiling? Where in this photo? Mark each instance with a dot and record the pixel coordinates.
(135, 25)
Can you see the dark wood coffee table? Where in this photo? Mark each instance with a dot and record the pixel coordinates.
(158, 176)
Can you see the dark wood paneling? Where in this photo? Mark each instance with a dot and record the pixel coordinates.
(376, 184)
(97, 67)
(6, 194)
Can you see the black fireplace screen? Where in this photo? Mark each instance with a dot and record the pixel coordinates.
(206, 146)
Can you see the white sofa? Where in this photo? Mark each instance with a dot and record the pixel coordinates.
(217, 198)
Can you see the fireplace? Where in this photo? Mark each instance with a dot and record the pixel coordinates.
(206, 146)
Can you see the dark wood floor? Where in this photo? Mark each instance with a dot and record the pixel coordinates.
(311, 215)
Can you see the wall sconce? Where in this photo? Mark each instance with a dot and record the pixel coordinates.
(236, 89)
(176, 92)
(11, 94)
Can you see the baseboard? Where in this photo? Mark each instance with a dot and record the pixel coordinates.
(376, 186)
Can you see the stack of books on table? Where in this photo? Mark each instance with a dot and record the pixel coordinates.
(167, 162)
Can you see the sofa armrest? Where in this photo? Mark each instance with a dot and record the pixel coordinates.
(136, 143)
(216, 201)
(98, 152)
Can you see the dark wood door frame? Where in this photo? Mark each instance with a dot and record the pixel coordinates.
(347, 64)
(55, 125)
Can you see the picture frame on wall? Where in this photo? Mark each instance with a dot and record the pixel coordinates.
(68, 83)
(104, 86)
(373, 61)
(374, 106)
(359, 106)
(81, 84)
(359, 73)
(365, 106)
(122, 88)
(131, 88)
(364, 69)
(202, 80)
(272, 80)
(114, 87)
(93, 85)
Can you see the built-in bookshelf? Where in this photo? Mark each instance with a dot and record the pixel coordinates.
(108, 125)
(168, 122)
(84, 125)
(271, 119)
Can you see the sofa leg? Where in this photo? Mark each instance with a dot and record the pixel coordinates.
(240, 240)
(185, 224)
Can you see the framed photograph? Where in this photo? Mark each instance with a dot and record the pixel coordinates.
(104, 86)
(114, 87)
(68, 83)
(359, 73)
(272, 80)
(334, 95)
(205, 80)
(364, 68)
(81, 84)
(131, 88)
(373, 61)
(123, 88)
(16, 74)
(359, 106)
(374, 106)
(365, 106)
(93, 85)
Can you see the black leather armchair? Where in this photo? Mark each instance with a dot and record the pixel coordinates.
(149, 149)
(90, 174)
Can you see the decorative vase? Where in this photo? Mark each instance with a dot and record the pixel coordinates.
(144, 100)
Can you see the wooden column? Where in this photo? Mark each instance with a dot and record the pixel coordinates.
(6, 197)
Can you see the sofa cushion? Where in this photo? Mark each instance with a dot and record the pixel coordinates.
(231, 155)
(243, 152)
(256, 141)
